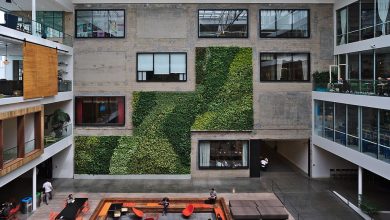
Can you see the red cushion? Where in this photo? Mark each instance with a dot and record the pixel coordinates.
(188, 210)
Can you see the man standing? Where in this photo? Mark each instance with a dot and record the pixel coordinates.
(48, 188)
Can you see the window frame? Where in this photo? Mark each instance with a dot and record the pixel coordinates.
(100, 125)
(230, 9)
(291, 53)
(223, 168)
(153, 53)
(286, 9)
(92, 10)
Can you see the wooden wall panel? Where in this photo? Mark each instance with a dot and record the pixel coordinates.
(40, 66)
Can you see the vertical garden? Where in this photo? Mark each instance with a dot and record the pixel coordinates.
(161, 140)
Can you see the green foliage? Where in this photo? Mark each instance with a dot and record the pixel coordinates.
(93, 153)
(161, 141)
(368, 207)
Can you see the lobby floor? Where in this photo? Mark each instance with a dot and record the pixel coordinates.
(304, 198)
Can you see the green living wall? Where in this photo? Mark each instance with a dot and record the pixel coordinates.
(161, 140)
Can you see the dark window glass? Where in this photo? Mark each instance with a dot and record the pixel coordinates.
(367, 19)
(353, 22)
(319, 118)
(384, 138)
(100, 23)
(161, 67)
(370, 131)
(383, 65)
(100, 110)
(328, 122)
(284, 23)
(353, 127)
(340, 123)
(223, 154)
(284, 66)
(367, 66)
(353, 66)
(223, 23)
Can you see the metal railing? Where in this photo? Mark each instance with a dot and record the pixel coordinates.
(64, 85)
(29, 146)
(357, 87)
(53, 136)
(286, 202)
(35, 28)
(10, 154)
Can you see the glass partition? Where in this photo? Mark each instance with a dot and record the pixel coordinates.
(328, 122)
(370, 131)
(100, 23)
(223, 23)
(353, 127)
(384, 135)
(319, 117)
(340, 123)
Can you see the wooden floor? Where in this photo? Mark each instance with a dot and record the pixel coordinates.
(57, 204)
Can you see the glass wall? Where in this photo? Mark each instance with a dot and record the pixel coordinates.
(360, 128)
(226, 154)
(284, 67)
(228, 23)
(284, 23)
(100, 111)
(357, 21)
(100, 23)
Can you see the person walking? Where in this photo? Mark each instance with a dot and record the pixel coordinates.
(165, 204)
(48, 189)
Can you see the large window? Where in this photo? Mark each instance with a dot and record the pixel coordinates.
(223, 154)
(284, 67)
(100, 111)
(284, 23)
(353, 127)
(161, 67)
(53, 19)
(384, 138)
(357, 21)
(100, 23)
(229, 23)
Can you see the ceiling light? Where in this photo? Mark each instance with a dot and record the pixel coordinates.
(6, 62)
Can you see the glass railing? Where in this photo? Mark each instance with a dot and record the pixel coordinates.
(10, 154)
(28, 26)
(357, 87)
(29, 146)
(54, 136)
(64, 85)
(11, 88)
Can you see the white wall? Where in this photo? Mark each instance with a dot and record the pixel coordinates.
(323, 161)
(29, 127)
(9, 133)
(63, 163)
(296, 152)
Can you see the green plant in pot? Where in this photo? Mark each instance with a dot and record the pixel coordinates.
(320, 80)
(57, 120)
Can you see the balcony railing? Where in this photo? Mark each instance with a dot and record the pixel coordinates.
(11, 88)
(56, 135)
(29, 26)
(64, 85)
(10, 154)
(357, 87)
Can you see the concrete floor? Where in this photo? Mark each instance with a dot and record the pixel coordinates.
(304, 198)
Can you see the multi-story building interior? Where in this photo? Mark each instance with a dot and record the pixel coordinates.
(200, 89)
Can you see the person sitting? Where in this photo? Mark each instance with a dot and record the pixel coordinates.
(219, 217)
(165, 203)
(213, 196)
(70, 199)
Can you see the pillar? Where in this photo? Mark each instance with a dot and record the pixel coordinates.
(360, 184)
(33, 17)
(34, 189)
(20, 136)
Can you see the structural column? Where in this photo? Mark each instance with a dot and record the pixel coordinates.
(360, 184)
(33, 17)
(20, 136)
(34, 189)
(38, 130)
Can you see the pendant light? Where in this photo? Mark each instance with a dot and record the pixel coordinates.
(6, 62)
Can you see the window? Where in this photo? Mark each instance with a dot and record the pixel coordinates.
(100, 23)
(101, 110)
(284, 67)
(284, 23)
(161, 67)
(228, 23)
(223, 154)
(53, 22)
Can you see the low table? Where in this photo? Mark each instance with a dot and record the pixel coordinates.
(272, 212)
(245, 213)
(71, 210)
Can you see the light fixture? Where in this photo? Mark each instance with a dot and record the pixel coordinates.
(6, 62)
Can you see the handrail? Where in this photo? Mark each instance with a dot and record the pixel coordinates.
(35, 28)
(56, 135)
(357, 87)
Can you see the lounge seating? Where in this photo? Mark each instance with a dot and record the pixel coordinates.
(259, 209)
(138, 212)
(187, 212)
(272, 212)
(243, 212)
(241, 203)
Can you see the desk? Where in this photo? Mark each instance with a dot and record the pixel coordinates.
(71, 210)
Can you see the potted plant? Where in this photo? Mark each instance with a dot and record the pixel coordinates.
(320, 80)
(57, 120)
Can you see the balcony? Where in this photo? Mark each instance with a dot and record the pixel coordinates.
(14, 88)
(356, 87)
(53, 136)
(35, 28)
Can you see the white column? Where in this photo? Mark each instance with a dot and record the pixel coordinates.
(34, 189)
(33, 17)
(360, 184)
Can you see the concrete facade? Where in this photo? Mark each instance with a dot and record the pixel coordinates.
(108, 66)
